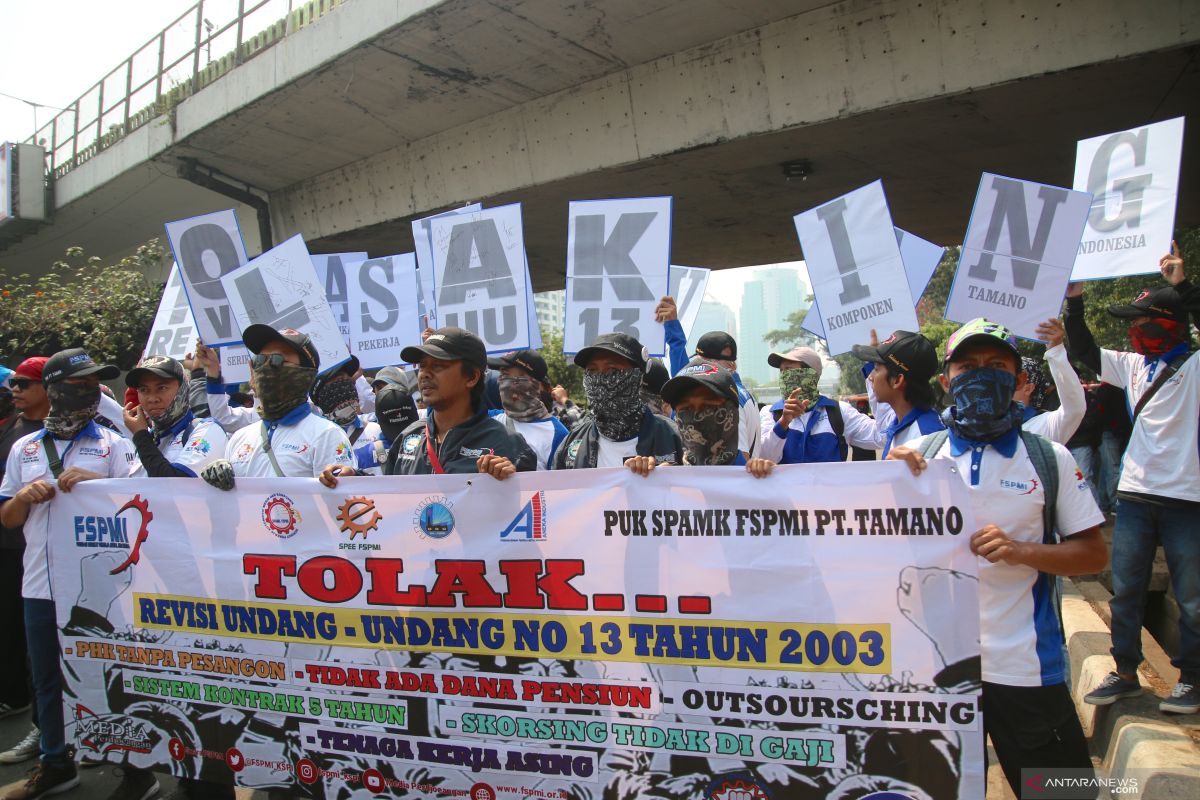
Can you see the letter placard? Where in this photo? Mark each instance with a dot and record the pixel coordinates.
(173, 333)
(207, 248)
(280, 288)
(332, 269)
(855, 267)
(422, 231)
(1133, 177)
(687, 287)
(383, 309)
(618, 266)
(479, 276)
(1016, 259)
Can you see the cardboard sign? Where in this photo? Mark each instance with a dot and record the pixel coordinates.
(173, 333)
(383, 309)
(1133, 177)
(920, 262)
(687, 285)
(280, 288)
(618, 267)
(535, 327)
(422, 231)
(1017, 256)
(331, 271)
(480, 277)
(855, 267)
(207, 248)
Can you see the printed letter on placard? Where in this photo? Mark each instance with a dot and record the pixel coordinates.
(687, 287)
(331, 271)
(383, 303)
(422, 231)
(207, 248)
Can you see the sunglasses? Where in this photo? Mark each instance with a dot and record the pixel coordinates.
(20, 383)
(274, 360)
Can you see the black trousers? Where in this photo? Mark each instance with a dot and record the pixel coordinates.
(15, 688)
(1033, 727)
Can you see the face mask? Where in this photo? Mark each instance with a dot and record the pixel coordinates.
(174, 412)
(338, 401)
(651, 401)
(281, 389)
(72, 406)
(710, 435)
(801, 378)
(1155, 338)
(616, 401)
(521, 398)
(983, 404)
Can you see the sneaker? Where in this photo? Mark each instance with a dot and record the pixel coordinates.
(136, 784)
(45, 780)
(1112, 689)
(1184, 699)
(23, 750)
(7, 710)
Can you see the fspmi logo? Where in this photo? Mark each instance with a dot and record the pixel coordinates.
(529, 525)
(102, 532)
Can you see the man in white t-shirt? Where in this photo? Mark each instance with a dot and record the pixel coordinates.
(1027, 708)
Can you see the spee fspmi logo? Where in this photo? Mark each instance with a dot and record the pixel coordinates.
(529, 525)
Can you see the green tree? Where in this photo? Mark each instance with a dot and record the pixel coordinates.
(561, 369)
(81, 302)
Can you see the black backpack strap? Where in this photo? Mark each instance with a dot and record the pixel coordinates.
(52, 457)
(834, 412)
(1172, 366)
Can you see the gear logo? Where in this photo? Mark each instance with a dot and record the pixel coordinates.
(358, 515)
(280, 516)
(735, 787)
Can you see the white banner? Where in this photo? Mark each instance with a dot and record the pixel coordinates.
(855, 267)
(422, 231)
(536, 636)
(920, 262)
(1017, 256)
(331, 272)
(618, 268)
(687, 286)
(1133, 177)
(207, 248)
(280, 288)
(480, 276)
(383, 309)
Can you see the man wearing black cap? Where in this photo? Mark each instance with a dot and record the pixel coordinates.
(71, 448)
(898, 374)
(525, 398)
(336, 395)
(619, 426)
(1159, 489)
(290, 441)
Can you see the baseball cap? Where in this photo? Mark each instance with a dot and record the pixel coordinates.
(977, 329)
(256, 337)
(717, 344)
(1162, 302)
(527, 360)
(905, 352)
(392, 376)
(349, 366)
(710, 376)
(805, 355)
(656, 376)
(75, 363)
(621, 344)
(395, 408)
(449, 344)
(162, 366)
(31, 368)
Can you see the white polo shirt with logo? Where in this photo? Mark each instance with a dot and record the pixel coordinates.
(96, 449)
(302, 449)
(194, 446)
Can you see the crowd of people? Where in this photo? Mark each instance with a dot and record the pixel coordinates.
(1042, 458)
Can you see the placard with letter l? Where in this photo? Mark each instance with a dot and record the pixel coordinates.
(855, 266)
(618, 266)
(1133, 177)
(1017, 256)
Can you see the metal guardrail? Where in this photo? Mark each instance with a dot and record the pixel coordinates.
(176, 63)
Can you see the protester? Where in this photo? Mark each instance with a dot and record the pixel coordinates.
(1024, 489)
(230, 418)
(394, 411)
(1085, 443)
(1058, 424)
(898, 373)
(812, 427)
(1159, 489)
(619, 426)
(652, 382)
(71, 448)
(525, 397)
(336, 395)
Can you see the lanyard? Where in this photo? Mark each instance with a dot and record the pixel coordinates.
(434, 461)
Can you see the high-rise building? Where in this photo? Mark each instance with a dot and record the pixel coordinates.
(550, 308)
(713, 316)
(767, 301)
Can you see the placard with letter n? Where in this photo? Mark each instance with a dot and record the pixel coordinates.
(479, 276)
(207, 248)
(618, 267)
(855, 266)
(1133, 177)
(383, 309)
(1017, 256)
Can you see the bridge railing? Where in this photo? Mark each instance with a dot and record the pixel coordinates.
(173, 65)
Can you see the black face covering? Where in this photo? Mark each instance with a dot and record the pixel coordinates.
(338, 401)
(615, 399)
(395, 411)
(710, 435)
(72, 406)
(983, 409)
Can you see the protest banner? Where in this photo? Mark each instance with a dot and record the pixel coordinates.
(1017, 255)
(422, 231)
(207, 248)
(618, 267)
(383, 309)
(480, 276)
(331, 272)
(280, 288)
(920, 261)
(562, 634)
(173, 333)
(1133, 177)
(855, 267)
(687, 286)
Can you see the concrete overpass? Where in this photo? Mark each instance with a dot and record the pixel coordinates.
(384, 110)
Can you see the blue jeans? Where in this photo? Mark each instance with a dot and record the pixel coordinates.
(1085, 459)
(1112, 449)
(45, 658)
(1139, 529)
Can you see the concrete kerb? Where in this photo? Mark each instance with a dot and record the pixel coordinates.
(1132, 737)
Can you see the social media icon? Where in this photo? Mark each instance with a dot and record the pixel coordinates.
(235, 760)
